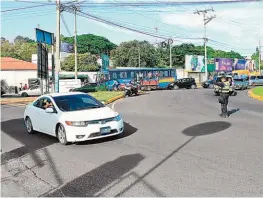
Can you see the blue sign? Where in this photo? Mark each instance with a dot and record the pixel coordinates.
(44, 37)
(67, 47)
(105, 61)
(240, 65)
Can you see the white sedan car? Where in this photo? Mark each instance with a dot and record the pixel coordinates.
(72, 117)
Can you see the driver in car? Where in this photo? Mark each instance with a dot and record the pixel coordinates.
(47, 104)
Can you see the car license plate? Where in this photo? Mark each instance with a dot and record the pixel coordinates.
(105, 130)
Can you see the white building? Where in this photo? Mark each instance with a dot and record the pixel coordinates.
(15, 71)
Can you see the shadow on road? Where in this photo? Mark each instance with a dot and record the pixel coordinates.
(94, 181)
(232, 111)
(128, 130)
(16, 129)
(206, 128)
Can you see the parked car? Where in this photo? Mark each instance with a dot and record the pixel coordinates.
(72, 117)
(256, 80)
(185, 83)
(240, 84)
(89, 87)
(33, 91)
(208, 84)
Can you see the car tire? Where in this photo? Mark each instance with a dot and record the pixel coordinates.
(193, 86)
(24, 94)
(176, 87)
(29, 126)
(61, 135)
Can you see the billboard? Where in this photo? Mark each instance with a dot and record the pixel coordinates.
(239, 64)
(250, 65)
(42, 62)
(223, 64)
(44, 37)
(194, 63)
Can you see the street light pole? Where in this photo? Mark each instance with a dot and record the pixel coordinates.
(57, 65)
(206, 21)
(139, 57)
(259, 57)
(76, 59)
(170, 45)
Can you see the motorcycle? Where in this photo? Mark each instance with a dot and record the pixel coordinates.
(170, 86)
(130, 89)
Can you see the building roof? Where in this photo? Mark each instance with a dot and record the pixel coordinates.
(8, 63)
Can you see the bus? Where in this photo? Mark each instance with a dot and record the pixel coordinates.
(149, 78)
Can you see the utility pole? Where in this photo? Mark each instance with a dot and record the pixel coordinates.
(57, 65)
(139, 57)
(170, 42)
(259, 57)
(76, 58)
(206, 21)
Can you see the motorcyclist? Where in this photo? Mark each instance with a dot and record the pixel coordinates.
(224, 96)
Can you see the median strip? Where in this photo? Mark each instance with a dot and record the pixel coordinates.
(256, 93)
(105, 96)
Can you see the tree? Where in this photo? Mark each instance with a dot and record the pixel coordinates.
(91, 43)
(21, 39)
(7, 49)
(86, 62)
(127, 54)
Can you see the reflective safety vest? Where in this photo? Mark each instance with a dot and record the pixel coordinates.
(226, 87)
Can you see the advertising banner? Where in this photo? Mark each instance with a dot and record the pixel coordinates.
(210, 64)
(250, 65)
(223, 64)
(194, 63)
(239, 64)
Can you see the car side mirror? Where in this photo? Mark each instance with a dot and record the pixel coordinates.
(49, 110)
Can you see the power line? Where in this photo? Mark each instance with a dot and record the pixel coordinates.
(170, 3)
(28, 7)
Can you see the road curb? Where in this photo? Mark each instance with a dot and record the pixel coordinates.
(17, 100)
(254, 96)
(111, 100)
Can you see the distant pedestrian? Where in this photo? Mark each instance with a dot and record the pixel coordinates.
(25, 87)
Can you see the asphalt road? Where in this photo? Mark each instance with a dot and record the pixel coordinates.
(175, 145)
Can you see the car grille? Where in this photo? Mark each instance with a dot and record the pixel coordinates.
(101, 121)
(97, 134)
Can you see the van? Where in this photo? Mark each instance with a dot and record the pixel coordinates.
(256, 80)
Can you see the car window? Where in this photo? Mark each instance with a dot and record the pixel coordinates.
(77, 102)
(252, 77)
(260, 77)
(45, 102)
(37, 103)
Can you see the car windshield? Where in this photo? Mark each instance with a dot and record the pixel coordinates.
(77, 102)
(219, 79)
(238, 80)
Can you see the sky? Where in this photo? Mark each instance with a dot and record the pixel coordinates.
(237, 26)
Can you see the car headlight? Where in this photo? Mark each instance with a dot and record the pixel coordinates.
(77, 123)
(117, 118)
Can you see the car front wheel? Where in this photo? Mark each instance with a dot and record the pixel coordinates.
(24, 94)
(176, 87)
(193, 86)
(61, 135)
(29, 125)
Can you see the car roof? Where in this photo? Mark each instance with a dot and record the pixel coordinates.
(63, 94)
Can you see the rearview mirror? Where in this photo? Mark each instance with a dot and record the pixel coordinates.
(49, 110)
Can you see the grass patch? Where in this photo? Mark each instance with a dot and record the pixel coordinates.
(258, 91)
(105, 95)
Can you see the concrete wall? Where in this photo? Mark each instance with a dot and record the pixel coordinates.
(14, 78)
